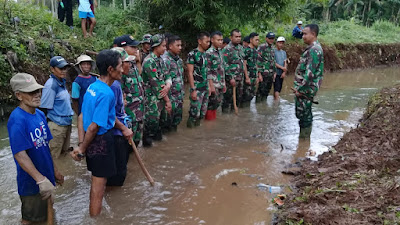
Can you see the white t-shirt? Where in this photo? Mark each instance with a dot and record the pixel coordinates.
(84, 6)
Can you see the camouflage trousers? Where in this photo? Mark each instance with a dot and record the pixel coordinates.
(175, 118)
(137, 129)
(249, 90)
(265, 86)
(215, 99)
(303, 111)
(198, 108)
(137, 117)
(153, 110)
(227, 103)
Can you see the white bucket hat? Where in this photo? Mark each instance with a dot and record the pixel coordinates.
(280, 39)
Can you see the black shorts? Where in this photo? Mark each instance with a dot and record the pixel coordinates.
(100, 155)
(122, 149)
(33, 208)
(278, 83)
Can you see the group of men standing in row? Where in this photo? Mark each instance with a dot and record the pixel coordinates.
(141, 92)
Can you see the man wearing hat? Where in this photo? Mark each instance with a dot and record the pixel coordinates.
(133, 86)
(266, 67)
(145, 51)
(298, 30)
(84, 65)
(281, 66)
(29, 140)
(57, 102)
(155, 76)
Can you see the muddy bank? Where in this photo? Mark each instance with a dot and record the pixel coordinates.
(358, 180)
(349, 56)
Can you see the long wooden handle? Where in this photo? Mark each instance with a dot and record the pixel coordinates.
(50, 212)
(139, 159)
(234, 101)
(91, 52)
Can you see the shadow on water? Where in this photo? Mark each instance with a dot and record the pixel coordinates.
(209, 175)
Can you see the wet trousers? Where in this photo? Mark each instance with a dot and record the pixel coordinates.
(152, 116)
(303, 111)
(198, 108)
(265, 86)
(249, 90)
(172, 120)
(215, 99)
(227, 102)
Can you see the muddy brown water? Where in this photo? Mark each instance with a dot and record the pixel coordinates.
(209, 175)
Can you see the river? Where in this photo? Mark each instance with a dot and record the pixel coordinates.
(209, 175)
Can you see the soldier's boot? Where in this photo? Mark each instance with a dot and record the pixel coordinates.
(197, 122)
(191, 123)
(210, 115)
(147, 141)
(305, 132)
(158, 135)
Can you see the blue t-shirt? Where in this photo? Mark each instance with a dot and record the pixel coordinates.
(99, 107)
(119, 105)
(280, 57)
(30, 133)
(79, 87)
(84, 6)
(57, 101)
(297, 33)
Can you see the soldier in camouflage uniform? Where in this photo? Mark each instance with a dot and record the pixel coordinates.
(132, 87)
(174, 66)
(308, 78)
(266, 67)
(197, 74)
(235, 71)
(215, 75)
(154, 77)
(251, 56)
(145, 51)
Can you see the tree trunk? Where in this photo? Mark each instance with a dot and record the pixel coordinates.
(53, 8)
(363, 13)
(113, 3)
(98, 4)
(124, 2)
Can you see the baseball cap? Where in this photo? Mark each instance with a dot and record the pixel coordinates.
(156, 40)
(59, 62)
(146, 38)
(23, 82)
(300, 22)
(124, 54)
(270, 35)
(280, 39)
(127, 40)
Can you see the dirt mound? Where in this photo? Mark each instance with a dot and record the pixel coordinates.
(358, 180)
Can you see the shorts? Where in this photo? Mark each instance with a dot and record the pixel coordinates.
(100, 155)
(121, 160)
(84, 15)
(33, 208)
(278, 83)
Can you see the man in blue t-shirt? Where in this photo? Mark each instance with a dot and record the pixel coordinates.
(98, 118)
(281, 66)
(85, 64)
(29, 140)
(56, 103)
(298, 30)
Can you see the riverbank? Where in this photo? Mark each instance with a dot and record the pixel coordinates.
(358, 180)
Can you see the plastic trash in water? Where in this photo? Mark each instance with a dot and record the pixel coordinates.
(271, 189)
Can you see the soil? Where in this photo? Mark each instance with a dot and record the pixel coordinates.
(358, 180)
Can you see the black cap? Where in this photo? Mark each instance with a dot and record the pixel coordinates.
(270, 35)
(126, 40)
(246, 39)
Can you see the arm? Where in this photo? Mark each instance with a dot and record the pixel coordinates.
(190, 68)
(27, 165)
(89, 136)
(75, 106)
(81, 131)
(246, 75)
(128, 134)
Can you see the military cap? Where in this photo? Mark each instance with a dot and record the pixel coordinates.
(156, 40)
(146, 38)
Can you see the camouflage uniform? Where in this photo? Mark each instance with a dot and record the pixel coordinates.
(154, 76)
(143, 55)
(132, 86)
(174, 67)
(266, 66)
(215, 68)
(198, 108)
(251, 56)
(146, 39)
(234, 69)
(308, 78)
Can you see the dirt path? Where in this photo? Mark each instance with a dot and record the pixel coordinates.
(358, 181)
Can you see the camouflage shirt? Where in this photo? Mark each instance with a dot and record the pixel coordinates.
(233, 58)
(266, 59)
(251, 56)
(143, 55)
(154, 75)
(198, 59)
(174, 66)
(215, 65)
(309, 71)
(132, 86)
